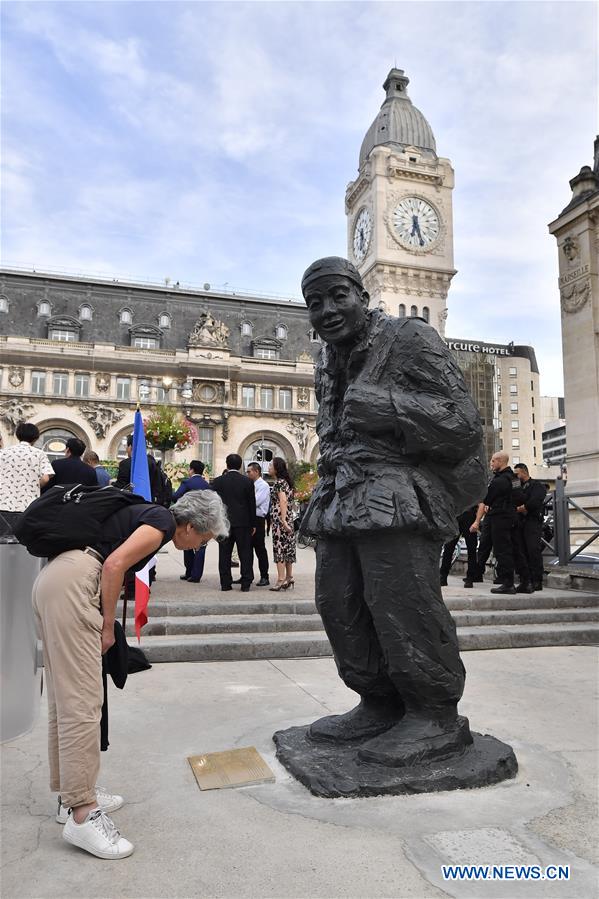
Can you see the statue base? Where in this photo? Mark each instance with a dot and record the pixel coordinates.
(333, 770)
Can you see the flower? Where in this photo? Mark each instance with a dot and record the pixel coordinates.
(167, 429)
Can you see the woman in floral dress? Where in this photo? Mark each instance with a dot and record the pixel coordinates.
(283, 533)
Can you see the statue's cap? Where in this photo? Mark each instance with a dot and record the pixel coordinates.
(331, 265)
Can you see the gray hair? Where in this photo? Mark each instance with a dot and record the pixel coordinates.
(204, 510)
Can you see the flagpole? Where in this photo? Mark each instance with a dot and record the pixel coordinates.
(129, 582)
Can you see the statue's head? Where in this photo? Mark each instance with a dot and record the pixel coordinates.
(336, 300)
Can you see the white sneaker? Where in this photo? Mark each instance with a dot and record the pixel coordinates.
(97, 835)
(106, 801)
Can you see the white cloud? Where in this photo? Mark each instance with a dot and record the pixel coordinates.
(214, 141)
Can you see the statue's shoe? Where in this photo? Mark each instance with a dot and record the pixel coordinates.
(416, 740)
(369, 718)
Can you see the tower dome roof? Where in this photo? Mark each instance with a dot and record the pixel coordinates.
(398, 122)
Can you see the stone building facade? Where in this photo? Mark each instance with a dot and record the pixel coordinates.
(504, 382)
(576, 231)
(77, 355)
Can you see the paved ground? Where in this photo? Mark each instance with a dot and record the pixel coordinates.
(276, 840)
(170, 566)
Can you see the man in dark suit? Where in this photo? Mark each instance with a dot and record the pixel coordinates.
(71, 470)
(238, 494)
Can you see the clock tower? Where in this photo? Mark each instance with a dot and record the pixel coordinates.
(399, 213)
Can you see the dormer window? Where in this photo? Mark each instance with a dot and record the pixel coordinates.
(314, 338)
(63, 334)
(126, 316)
(266, 348)
(281, 332)
(145, 337)
(247, 329)
(85, 312)
(44, 308)
(64, 328)
(164, 320)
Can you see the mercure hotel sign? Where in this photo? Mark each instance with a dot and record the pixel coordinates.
(487, 348)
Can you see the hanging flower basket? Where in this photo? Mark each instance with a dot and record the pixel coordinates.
(167, 429)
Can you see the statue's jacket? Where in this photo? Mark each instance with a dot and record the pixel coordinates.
(400, 437)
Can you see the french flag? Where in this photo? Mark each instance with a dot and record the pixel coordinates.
(140, 479)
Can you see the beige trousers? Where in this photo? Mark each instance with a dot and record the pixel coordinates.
(66, 601)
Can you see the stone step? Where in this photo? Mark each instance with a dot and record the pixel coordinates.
(542, 599)
(228, 624)
(209, 606)
(476, 618)
(311, 644)
(288, 606)
(221, 624)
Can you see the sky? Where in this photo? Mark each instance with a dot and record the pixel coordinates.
(213, 142)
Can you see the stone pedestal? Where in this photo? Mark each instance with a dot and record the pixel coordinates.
(335, 771)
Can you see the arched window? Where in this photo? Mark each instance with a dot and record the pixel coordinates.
(262, 451)
(426, 313)
(402, 310)
(281, 332)
(43, 307)
(247, 329)
(126, 316)
(164, 320)
(54, 442)
(3, 304)
(414, 311)
(85, 312)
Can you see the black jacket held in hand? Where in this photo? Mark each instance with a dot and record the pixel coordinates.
(533, 498)
(239, 496)
(499, 496)
(400, 437)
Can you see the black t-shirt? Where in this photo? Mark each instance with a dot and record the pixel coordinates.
(122, 524)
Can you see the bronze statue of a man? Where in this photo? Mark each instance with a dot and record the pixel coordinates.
(399, 445)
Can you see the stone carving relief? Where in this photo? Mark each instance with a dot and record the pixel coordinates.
(16, 376)
(571, 249)
(303, 396)
(301, 430)
(208, 332)
(207, 421)
(206, 392)
(102, 382)
(442, 318)
(14, 411)
(305, 357)
(575, 296)
(233, 394)
(101, 418)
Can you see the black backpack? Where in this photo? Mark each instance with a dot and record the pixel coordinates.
(69, 517)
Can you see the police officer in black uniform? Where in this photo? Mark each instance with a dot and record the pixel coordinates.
(501, 518)
(529, 524)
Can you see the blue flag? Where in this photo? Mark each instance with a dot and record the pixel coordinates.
(140, 471)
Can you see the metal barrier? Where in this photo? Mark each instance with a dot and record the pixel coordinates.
(562, 528)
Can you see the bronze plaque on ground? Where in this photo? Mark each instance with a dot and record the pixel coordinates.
(232, 768)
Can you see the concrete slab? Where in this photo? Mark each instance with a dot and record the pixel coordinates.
(276, 840)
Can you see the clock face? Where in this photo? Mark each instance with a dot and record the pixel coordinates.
(362, 234)
(416, 223)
